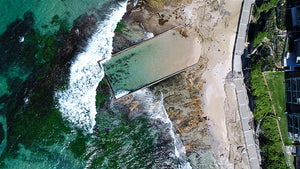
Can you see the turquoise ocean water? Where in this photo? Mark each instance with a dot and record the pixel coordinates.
(50, 113)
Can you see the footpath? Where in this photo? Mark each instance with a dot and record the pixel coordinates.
(241, 92)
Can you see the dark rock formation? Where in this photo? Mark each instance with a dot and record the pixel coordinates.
(2, 134)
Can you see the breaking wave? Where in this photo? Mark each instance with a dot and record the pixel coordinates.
(77, 102)
(169, 150)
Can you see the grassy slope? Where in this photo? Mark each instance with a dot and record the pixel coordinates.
(277, 88)
(270, 143)
(262, 29)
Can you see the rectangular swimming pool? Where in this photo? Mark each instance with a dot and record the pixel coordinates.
(151, 61)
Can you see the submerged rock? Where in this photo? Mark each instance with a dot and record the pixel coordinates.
(2, 134)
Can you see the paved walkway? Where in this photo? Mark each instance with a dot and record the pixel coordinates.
(242, 35)
(241, 92)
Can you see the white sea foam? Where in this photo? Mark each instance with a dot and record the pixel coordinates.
(121, 93)
(135, 2)
(77, 102)
(149, 35)
(156, 111)
(21, 39)
(26, 100)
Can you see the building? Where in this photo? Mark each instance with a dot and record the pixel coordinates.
(292, 83)
(292, 58)
(296, 16)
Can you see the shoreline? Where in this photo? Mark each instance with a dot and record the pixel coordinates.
(199, 100)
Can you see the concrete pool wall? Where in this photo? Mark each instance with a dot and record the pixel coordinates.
(151, 61)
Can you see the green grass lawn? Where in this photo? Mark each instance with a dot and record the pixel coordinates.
(277, 88)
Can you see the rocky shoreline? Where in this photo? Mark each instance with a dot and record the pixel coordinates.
(200, 101)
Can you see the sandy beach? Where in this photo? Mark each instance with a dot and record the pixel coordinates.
(219, 65)
(201, 101)
(219, 95)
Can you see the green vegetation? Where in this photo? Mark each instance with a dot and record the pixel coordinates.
(259, 38)
(266, 25)
(277, 88)
(263, 32)
(264, 29)
(103, 94)
(259, 90)
(270, 142)
(120, 26)
(267, 5)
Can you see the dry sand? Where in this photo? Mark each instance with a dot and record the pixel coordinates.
(219, 99)
(219, 54)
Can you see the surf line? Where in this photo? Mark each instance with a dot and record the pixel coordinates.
(77, 102)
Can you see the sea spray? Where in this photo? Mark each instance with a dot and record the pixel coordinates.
(170, 150)
(149, 35)
(135, 2)
(77, 102)
(179, 149)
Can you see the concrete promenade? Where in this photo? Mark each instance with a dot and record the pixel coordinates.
(241, 92)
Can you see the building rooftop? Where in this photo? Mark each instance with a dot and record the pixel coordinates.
(296, 16)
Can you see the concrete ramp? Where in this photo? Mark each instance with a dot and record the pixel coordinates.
(151, 61)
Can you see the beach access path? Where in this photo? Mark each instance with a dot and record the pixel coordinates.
(241, 92)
